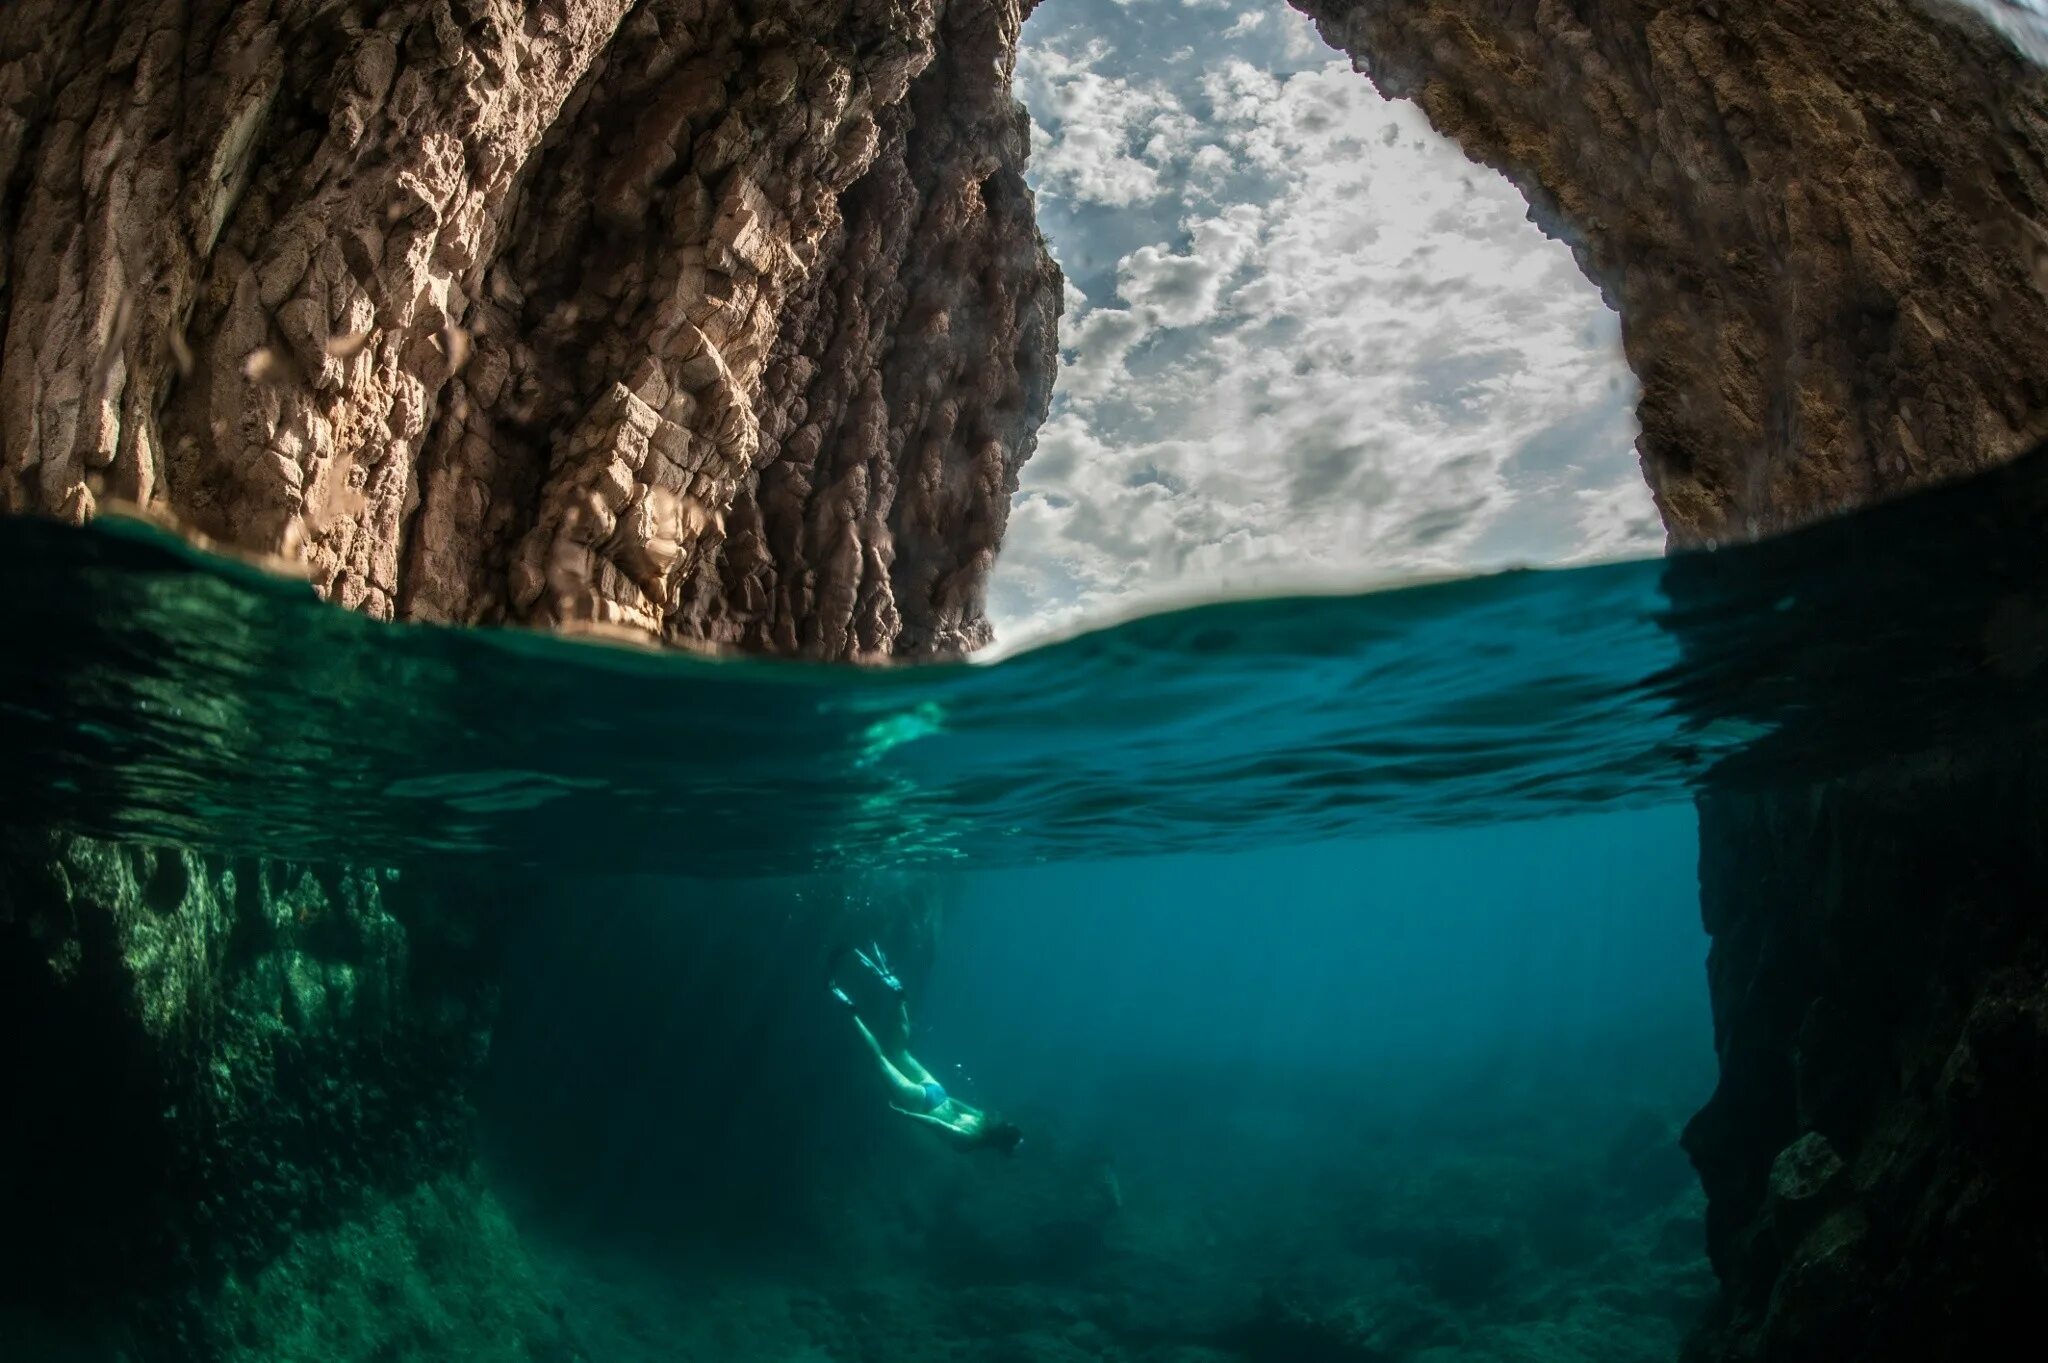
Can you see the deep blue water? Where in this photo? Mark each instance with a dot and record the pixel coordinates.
(1413, 967)
(1416, 1096)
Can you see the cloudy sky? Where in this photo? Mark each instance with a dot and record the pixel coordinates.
(1305, 339)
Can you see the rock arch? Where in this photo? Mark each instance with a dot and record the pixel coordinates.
(1824, 226)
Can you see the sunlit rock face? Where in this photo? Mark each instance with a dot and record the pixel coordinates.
(708, 321)
(1824, 225)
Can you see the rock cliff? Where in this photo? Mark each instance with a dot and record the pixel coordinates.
(708, 321)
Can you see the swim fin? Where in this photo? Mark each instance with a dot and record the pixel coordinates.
(880, 965)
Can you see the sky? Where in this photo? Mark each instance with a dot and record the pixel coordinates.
(1306, 341)
(2024, 21)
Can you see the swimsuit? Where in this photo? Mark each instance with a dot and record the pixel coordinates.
(934, 1096)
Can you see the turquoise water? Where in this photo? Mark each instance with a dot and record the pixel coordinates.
(1339, 957)
(1415, 1097)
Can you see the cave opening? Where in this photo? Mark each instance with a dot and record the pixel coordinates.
(1306, 340)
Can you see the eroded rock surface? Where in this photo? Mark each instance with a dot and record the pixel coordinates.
(222, 1070)
(709, 321)
(1824, 225)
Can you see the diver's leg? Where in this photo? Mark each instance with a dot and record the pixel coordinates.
(897, 1042)
(908, 1092)
(912, 1068)
(899, 1054)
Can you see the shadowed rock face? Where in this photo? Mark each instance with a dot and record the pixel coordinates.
(1871, 1153)
(226, 1067)
(708, 321)
(1824, 225)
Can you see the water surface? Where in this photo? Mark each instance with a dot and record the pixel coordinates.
(149, 690)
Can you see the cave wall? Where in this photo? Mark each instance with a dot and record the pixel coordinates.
(709, 321)
(1879, 975)
(1824, 225)
(218, 1069)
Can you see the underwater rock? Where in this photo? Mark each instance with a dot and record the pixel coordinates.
(244, 1061)
(1902, 1212)
(703, 321)
(1824, 225)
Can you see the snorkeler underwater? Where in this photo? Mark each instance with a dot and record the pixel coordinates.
(1102, 681)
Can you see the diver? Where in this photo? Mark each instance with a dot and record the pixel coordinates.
(913, 1090)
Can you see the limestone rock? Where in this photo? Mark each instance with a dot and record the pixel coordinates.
(361, 283)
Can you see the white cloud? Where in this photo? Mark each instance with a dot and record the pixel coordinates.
(1170, 289)
(1346, 353)
(1618, 521)
(1111, 138)
(1300, 39)
(1092, 352)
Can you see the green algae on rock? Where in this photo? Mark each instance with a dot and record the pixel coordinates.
(244, 1054)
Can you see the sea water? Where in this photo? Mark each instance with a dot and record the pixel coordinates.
(1339, 956)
